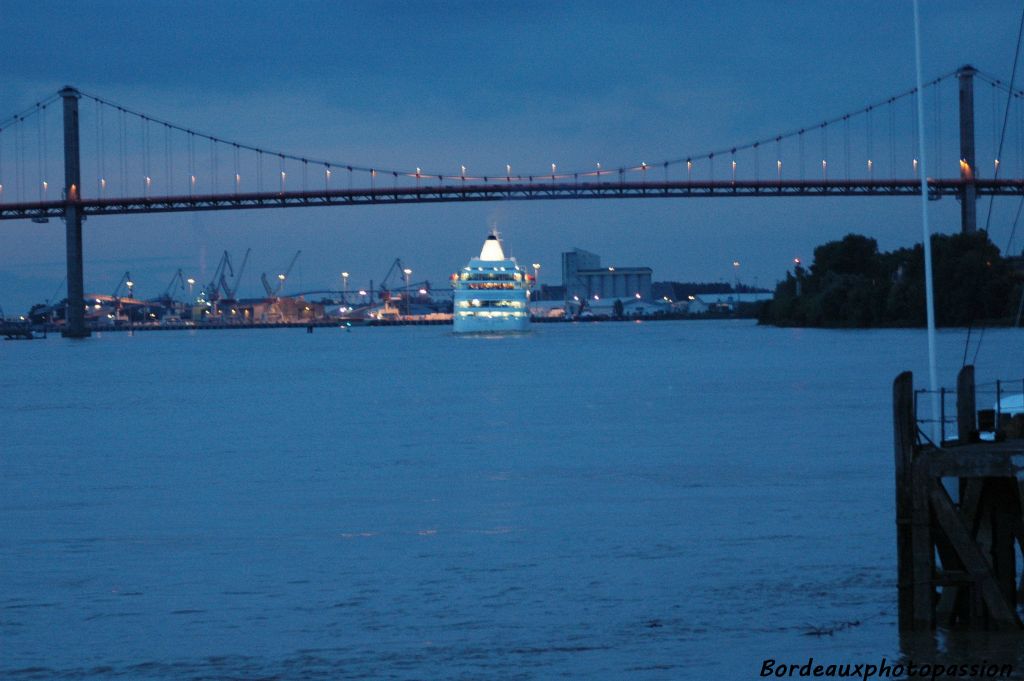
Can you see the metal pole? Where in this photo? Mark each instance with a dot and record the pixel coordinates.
(929, 290)
(968, 192)
(75, 316)
(999, 404)
(942, 414)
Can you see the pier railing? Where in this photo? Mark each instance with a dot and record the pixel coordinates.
(949, 417)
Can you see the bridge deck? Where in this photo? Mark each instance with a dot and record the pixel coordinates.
(510, 191)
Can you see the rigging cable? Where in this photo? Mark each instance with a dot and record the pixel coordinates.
(39, 150)
(1009, 99)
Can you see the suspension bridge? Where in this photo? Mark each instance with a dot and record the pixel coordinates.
(144, 164)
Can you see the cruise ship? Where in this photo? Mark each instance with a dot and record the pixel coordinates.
(491, 293)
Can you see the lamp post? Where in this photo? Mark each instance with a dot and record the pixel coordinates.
(536, 278)
(280, 279)
(344, 292)
(736, 269)
(408, 273)
(129, 283)
(191, 282)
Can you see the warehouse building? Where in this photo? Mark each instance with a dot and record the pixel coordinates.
(584, 277)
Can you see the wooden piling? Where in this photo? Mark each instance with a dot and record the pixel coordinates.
(973, 583)
(966, 429)
(905, 434)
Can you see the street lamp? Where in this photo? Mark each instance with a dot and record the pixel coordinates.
(736, 269)
(129, 283)
(408, 273)
(280, 280)
(191, 283)
(344, 293)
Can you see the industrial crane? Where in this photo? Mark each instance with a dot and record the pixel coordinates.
(273, 291)
(274, 309)
(398, 268)
(168, 298)
(126, 280)
(231, 292)
(223, 268)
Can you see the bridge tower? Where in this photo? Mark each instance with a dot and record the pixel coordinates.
(969, 192)
(75, 314)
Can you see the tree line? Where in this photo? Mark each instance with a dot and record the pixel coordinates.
(852, 284)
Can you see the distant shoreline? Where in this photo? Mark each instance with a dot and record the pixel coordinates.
(353, 323)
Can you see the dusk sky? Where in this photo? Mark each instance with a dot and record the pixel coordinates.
(438, 85)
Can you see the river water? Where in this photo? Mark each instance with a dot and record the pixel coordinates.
(672, 500)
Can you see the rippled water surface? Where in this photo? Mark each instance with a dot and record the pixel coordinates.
(675, 500)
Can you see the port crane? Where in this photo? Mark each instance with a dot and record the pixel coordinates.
(168, 297)
(231, 292)
(126, 280)
(220, 276)
(397, 268)
(273, 291)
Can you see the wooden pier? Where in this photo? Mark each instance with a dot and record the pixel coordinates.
(957, 560)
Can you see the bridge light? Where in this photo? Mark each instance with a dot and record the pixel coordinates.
(281, 277)
(915, 167)
(824, 169)
(996, 163)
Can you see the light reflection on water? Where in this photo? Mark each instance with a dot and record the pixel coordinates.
(665, 500)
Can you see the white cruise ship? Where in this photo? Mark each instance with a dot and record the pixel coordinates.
(491, 293)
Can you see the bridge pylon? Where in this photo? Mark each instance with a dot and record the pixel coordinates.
(75, 313)
(969, 191)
